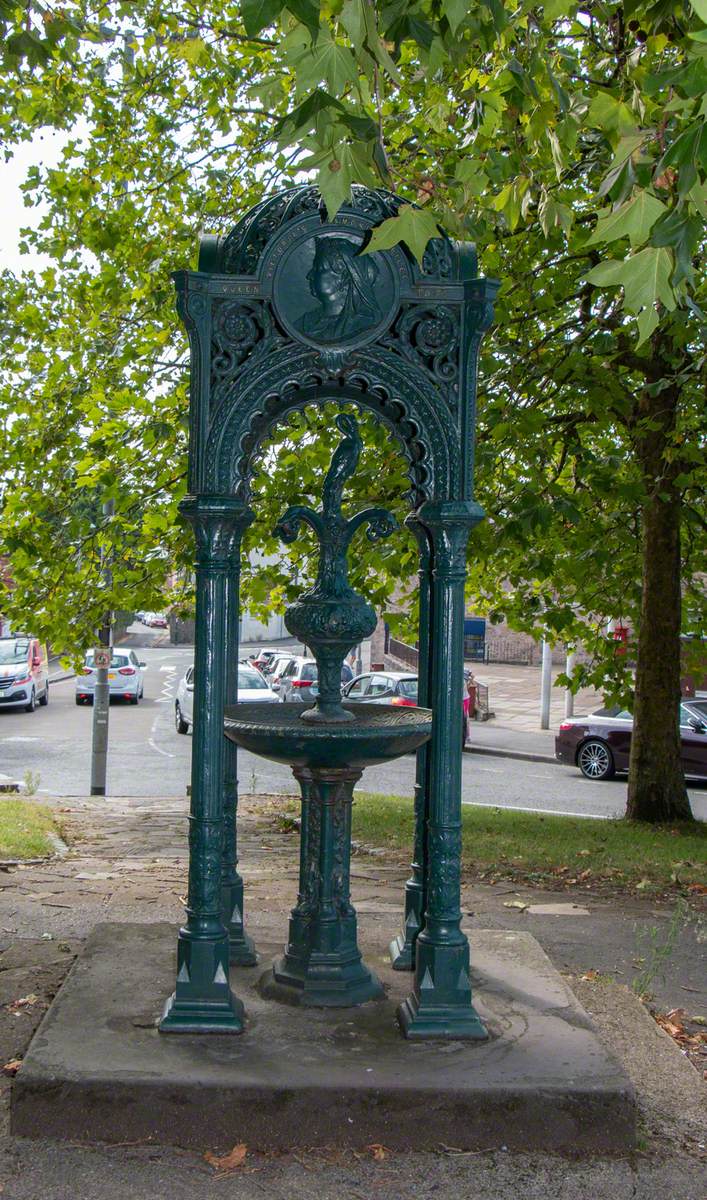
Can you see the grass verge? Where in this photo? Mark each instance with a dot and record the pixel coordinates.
(24, 827)
(502, 844)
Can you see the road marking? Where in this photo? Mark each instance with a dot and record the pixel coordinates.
(547, 812)
(151, 740)
(21, 739)
(166, 753)
(168, 668)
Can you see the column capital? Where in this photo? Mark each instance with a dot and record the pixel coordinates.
(218, 523)
(448, 524)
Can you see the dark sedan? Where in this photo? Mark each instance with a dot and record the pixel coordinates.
(600, 744)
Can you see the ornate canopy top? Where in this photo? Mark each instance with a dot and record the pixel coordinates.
(240, 251)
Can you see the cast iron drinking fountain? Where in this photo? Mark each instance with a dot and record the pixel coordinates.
(328, 745)
(289, 310)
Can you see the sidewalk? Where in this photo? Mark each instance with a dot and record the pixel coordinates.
(128, 863)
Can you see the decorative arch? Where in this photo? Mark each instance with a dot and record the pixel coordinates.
(407, 406)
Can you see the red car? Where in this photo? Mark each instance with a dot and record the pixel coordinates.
(600, 744)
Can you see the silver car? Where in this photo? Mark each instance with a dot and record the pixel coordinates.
(251, 687)
(124, 677)
(299, 681)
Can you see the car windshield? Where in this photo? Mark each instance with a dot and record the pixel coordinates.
(408, 688)
(309, 671)
(118, 660)
(249, 680)
(619, 714)
(13, 650)
(698, 708)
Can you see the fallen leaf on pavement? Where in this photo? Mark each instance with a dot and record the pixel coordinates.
(23, 1002)
(228, 1162)
(673, 1024)
(589, 976)
(12, 1067)
(379, 1152)
(521, 904)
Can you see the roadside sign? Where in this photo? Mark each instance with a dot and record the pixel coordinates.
(102, 656)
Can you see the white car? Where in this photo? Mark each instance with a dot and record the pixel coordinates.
(251, 687)
(124, 677)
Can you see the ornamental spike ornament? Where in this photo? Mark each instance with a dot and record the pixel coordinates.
(331, 617)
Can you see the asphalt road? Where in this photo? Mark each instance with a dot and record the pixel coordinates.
(148, 758)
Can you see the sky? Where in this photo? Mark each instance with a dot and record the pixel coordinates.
(44, 150)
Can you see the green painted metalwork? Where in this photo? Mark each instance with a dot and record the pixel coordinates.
(328, 744)
(332, 618)
(400, 340)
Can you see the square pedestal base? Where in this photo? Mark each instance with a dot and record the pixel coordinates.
(98, 1070)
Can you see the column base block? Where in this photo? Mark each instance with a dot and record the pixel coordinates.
(195, 1016)
(202, 1001)
(420, 1021)
(241, 950)
(402, 954)
(321, 982)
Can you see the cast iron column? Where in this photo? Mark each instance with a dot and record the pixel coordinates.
(402, 947)
(241, 949)
(440, 1004)
(203, 1001)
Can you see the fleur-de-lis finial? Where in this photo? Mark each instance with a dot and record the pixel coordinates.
(331, 617)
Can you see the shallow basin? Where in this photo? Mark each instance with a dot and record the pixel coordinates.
(377, 733)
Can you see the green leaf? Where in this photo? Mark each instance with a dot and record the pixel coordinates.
(306, 11)
(682, 233)
(455, 11)
(325, 61)
(353, 19)
(645, 278)
(413, 226)
(258, 14)
(334, 179)
(700, 7)
(633, 220)
(610, 114)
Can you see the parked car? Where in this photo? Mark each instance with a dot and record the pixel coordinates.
(277, 669)
(156, 621)
(251, 686)
(299, 682)
(383, 687)
(24, 672)
(264, 658)
(124, 677)
(600, 744)
(391, 687)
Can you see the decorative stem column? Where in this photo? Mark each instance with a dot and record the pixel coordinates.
(440, 1005)
(402, 947)
(241, 948)
(203, 1001)
(322, 962)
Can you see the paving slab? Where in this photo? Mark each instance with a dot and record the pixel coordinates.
(98, 1070)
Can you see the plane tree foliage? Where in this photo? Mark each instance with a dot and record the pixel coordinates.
(567, 139)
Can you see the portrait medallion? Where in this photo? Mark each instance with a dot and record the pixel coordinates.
(329, 295)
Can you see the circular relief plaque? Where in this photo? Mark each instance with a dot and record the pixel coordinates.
(329, 295)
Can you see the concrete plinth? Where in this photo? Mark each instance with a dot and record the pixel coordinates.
(98, 1070)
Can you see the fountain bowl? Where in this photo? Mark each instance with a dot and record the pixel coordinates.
(377, 733)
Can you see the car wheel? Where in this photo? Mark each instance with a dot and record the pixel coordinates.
(181, 725)
(135, 699)
(32, 702)
(595, 760)
(45, 698)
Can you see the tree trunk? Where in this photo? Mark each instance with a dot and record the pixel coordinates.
(656, 784)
